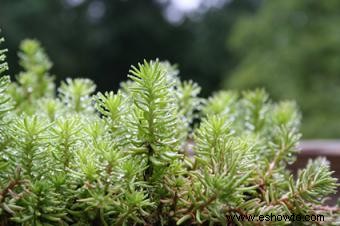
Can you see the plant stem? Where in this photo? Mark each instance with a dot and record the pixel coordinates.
(102, 219)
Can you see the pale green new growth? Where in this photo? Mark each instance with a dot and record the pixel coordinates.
(153, 153)
(34, 81)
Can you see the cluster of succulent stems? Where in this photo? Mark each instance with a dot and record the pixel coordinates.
(152, 153)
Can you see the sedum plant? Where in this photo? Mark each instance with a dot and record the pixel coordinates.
(152, 153)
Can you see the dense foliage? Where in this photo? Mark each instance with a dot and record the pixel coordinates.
(288, 47)
(292, 49)
(154, 153)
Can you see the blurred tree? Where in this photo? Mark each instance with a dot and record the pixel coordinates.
(292, 48)
(97, 39)
(207, 59)
(100, 39)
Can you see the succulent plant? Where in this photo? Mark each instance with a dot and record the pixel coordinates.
(152, 153)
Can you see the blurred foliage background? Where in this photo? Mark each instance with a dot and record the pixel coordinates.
(290, 47)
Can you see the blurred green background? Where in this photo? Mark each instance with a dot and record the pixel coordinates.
(289, 47)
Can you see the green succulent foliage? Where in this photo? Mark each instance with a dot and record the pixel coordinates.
(34, 81)
(76, 94)
(153, 153)
(29, 146)
(312, 181)
(6, 105)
